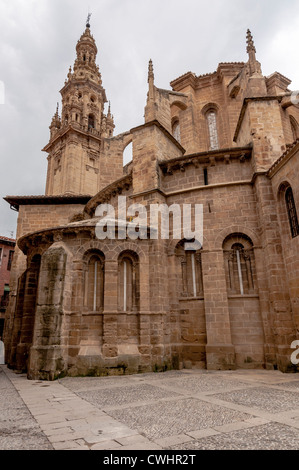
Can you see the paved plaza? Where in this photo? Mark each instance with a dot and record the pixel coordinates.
(175, 410)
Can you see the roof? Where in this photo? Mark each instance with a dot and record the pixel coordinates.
(193, 76)
(17, 201)
(291, 149)
(7, 240)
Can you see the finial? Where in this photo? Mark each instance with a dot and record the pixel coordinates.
(150, 70)
(109, 110)
(250, 43)
(88, 20)
(57, 107)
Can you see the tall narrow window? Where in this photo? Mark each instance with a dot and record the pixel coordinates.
(94, 283)
(128, 282)
(5, 297)
(176, 131)
(191, 284)
(294, 128)
(10, 258)
(239, 260)
(292, 213)
(205, 176)
(212, 127)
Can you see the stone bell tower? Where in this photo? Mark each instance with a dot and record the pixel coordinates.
(75, 136)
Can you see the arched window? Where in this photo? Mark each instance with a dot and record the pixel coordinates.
(191, 284)
(292, 213)
(294, 128)
(211, 118)
(128, 282)
(94, 282)
(91, 122)
(176, 131)
(128, 153)
(240, 265)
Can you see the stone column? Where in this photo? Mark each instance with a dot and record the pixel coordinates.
(220, 352)
(263, 291)
(280, 311)
(17, 322)
(48, 356)
(28, 314)
(110, 348)
(144, 324)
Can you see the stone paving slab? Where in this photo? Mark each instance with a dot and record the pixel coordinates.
(18, 428)
(175, 410)
(271, 436)
(264, 398)
(127, 394)
(160, 420)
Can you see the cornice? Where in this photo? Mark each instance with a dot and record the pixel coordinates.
(209, 157)
(283, 159)
(72, 127)
(17, 201)
(103, 196)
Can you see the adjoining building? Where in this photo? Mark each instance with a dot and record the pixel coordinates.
(7, 248)
(228, 140)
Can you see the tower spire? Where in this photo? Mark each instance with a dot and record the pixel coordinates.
(83, 101)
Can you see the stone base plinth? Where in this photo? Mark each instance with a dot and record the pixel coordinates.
(220, 357)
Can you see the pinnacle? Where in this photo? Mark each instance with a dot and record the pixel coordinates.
(150, 69)
(250, 42)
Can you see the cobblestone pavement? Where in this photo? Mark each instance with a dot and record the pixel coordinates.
(175, 410)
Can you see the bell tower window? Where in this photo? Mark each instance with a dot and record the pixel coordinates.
(91, 122)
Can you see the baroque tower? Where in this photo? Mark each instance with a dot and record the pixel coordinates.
(75, 136)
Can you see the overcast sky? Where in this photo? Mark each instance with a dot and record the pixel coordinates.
(37, 46)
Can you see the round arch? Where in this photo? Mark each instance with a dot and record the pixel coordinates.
(236, 229)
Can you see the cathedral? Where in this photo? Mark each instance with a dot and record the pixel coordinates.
(84, 305)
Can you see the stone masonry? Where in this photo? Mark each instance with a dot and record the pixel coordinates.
(80, 305)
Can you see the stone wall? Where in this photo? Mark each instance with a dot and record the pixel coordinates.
(282, 176)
